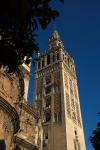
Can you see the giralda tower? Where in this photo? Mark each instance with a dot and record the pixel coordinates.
(56, 95)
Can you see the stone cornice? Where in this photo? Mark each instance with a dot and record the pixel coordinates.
(25, 106)
(49, 67)
(24, 143)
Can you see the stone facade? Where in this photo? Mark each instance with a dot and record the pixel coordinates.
(20, 127)
(56, 94)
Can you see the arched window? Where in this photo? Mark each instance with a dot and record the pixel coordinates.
(68, 62)
(48, 89)
(48, 80)
(65, 60)
(48, 101)
(48, 59)
(38, 64)
(53, 58)
(63, 56)
(42, 63)
(57, 56)
(47, 116)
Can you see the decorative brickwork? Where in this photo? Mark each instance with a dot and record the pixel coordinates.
(66, 81)
(78, 114)
(57, 107)
(68, 106)
(17, 118)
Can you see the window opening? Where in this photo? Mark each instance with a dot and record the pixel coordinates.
(48, 89)
(48, 80)
(45, 141)
(53, 58)
(47, 116)
(48, 59)
(38, 64)
(42, 63)
(57, 56)
(48, 102)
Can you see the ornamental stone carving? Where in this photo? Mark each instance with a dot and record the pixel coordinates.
(18, 121)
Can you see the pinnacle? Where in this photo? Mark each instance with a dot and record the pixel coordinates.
(55, 35)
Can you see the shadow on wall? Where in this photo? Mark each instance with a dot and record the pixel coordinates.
(17, 148)
(2, 145)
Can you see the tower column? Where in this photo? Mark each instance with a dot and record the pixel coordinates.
(60, 106)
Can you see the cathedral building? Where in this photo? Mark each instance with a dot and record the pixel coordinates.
(54, 121)
(20, 127)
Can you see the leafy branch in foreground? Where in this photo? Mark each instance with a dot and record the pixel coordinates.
(95, 138)
(19, 20)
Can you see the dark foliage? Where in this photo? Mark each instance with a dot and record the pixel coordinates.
(19, 20)
(95, 138)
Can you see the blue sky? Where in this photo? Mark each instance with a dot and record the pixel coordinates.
(79, 29)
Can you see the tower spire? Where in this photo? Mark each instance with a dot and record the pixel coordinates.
(55, 35)
(54, 41)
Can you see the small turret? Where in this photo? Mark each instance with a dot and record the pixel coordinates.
(54, 36)
(55, 42)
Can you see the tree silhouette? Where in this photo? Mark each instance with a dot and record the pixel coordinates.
(19, 20)
(95, 138)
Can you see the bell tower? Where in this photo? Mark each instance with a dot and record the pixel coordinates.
(56, 95)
